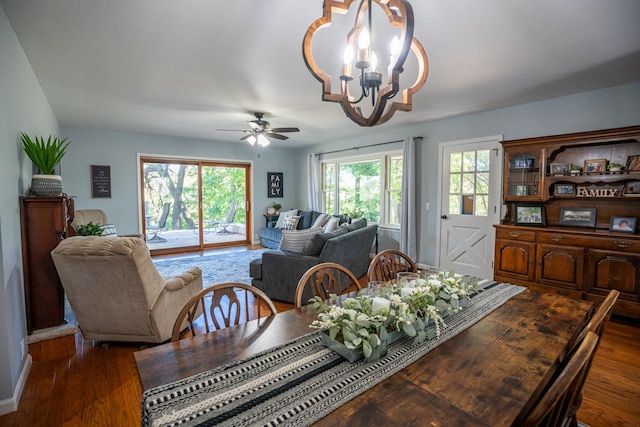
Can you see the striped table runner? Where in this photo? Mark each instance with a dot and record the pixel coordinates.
(298, 382)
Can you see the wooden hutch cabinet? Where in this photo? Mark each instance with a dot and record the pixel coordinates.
(43, 223)
(555, 253)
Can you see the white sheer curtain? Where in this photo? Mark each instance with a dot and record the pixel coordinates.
(313, 166)
(408, 228)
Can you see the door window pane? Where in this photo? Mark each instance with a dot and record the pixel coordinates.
(469, 183)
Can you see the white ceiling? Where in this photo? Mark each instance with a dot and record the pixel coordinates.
(187, 68)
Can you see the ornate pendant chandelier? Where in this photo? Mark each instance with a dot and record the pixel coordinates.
(368, 79)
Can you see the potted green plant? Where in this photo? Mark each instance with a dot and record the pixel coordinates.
(45, 156)
(614, 167)
(575, 169)
(277, 207)
(88, 229)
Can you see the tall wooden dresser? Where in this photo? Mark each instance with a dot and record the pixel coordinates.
(43, 222)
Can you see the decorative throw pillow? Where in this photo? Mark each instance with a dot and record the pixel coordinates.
(290, 222)
(361, 223)
(332, 224)
(108, 230)
(321, 220)
(316, 243)
(295, 240)
(283, 215)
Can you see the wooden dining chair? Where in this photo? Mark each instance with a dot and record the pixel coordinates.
(220, 306)
(388, 263)
(323, 280)
(553, 407)
(596, 324)
(599, 320)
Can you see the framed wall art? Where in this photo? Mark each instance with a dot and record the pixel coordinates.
(580, 217)
(623, 224)
(274, 184)
(530, 214)
(100, 181)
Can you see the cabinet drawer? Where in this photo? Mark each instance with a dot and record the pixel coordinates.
(511, 233)
(620, 244)
(560, 238)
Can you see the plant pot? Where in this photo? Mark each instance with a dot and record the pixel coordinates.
(46, 185)
(356, 354)
(576, 172)
(614, 170)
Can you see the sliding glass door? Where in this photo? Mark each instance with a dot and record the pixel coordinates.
(193, 205)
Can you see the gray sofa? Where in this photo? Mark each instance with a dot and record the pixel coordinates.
(277, 273)
(271, 237)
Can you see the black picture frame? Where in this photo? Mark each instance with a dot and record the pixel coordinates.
(578, 217)
(530, 214)
(623, 224)
(100, 181)
(275, 184)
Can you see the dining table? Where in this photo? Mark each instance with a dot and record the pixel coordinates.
(491, 364)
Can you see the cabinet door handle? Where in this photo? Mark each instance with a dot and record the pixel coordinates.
(556, 237)
(514, 234)
(622, 244)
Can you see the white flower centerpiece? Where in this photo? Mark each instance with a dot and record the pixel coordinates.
(365, 325)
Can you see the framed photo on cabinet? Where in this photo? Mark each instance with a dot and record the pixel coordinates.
(595, 166)
(580, 217)
(530, 214)
(633, 163)
(559, 169)
(631, 189)
(623, 224)
(564, 190)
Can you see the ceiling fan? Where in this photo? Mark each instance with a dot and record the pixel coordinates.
(260, 129)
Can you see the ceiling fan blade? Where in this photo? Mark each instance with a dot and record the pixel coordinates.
(285, 130)
(275, 135)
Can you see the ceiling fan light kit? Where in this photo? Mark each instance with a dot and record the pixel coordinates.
(360, 44)
(260, 131)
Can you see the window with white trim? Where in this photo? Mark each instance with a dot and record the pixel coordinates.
(364, 186)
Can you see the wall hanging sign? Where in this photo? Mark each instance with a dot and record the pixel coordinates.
(100, 181)
(274, 184)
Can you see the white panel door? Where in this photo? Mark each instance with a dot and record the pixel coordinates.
(470, 186)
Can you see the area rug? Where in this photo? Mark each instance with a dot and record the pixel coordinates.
(230, 266)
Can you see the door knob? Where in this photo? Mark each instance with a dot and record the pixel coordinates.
(444, 217)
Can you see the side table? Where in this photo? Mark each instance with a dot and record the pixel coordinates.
(271, 220)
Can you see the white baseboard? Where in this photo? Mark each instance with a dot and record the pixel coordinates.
(11, 405)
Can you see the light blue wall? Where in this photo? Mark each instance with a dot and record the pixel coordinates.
(120, 150)
(23, 108)
(602, 109)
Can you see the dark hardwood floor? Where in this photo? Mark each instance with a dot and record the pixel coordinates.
(99, 386)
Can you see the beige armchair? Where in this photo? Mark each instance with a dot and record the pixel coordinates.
(116, 292)
(98, 216)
